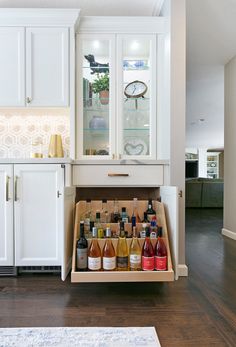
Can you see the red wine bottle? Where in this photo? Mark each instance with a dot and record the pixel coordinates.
(82, 250)
(147, 253)
(160, 253)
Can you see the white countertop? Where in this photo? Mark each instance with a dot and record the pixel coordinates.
(35, 161)
(80, 162)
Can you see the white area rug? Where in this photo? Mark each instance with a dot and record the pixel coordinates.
(81, 337)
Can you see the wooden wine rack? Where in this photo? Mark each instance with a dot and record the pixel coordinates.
(122, 276)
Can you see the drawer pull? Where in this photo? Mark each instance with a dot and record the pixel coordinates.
(16, 179)
(118, 175)
(7, 188)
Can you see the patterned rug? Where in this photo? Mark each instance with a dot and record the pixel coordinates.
(79, 337)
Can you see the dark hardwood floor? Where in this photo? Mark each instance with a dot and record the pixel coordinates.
(196, 311)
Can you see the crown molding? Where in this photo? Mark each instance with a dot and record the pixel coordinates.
(39, 17)
(122, 25)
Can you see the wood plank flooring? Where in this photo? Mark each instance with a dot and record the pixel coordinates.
(196, 311)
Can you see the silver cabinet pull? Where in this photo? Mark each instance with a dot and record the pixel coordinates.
(16, 179)
(7, 188)
(58, 194)
(28, 100)
(118, 174)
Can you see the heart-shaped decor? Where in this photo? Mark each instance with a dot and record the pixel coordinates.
(133, 149)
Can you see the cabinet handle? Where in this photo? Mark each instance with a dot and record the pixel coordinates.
(16, 179)
(7, 188)
(118, 175)
(28, 100)
(113, 156)
(58, 194)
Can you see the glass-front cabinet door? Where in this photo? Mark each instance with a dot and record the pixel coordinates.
(95, 96)
(136, 83)
(116, 96)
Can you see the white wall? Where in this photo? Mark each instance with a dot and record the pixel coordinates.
(205, 99)
(229, 151)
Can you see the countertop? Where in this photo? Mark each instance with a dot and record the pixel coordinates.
(35, 161)
(80, 162)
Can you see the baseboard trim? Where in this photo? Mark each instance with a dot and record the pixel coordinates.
(228, 233)
(182, 270)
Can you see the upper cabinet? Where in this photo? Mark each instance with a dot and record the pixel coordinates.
(118, 84)
(47, 68)
(36, 61)
(12, 66)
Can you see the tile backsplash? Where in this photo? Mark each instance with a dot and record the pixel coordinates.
(20, 128)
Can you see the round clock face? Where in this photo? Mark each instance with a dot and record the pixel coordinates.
(135, 89)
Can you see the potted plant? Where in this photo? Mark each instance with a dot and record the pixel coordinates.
(101, 86)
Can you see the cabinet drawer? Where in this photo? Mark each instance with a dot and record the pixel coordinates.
(118, 175)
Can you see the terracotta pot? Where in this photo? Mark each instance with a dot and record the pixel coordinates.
(104, 97)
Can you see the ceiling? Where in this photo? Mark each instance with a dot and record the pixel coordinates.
(95, 8)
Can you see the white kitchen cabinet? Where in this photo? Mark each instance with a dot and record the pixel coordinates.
(6, 216)
(12, 66)
(47, 66)
(119, 90)
(38, 214)
(37, 57)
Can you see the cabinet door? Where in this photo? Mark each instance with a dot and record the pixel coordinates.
(136, 96)
(169, 196)
(68, 224)
(38, 210)
(47, 69)
(6, 216)
(12, 66)
(96, 125)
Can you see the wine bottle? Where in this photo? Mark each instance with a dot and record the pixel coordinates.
(124, 216)
(82, 250)
(153, 229)
(143, 231)
(99, 225)
(147, 253)
(122, 250)
(135, 211)
(135, 253)
(150, 212)
(115, 218)
(105, 215)
(87, 217)
(160, 253)
(94, 253)
(108, 253)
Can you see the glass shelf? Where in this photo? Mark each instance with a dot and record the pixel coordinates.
(97, 68)
(136, 129)
(96, 130)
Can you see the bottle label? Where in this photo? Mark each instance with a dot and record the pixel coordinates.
(122, 262)
(109, 263)
(135, 261)
(153, 235)
(94, 263)
(100, 233)
(82, 258)
(161, 263)
(147, 263)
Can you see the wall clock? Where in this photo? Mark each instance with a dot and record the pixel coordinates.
(135, 89)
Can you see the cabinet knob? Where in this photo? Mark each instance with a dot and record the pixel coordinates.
(58, 194)
(28, 100)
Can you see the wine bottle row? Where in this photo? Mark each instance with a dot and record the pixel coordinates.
(104, 216)
(134, 258)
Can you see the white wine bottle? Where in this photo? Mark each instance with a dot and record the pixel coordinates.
(122, 250)
(135, 258)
